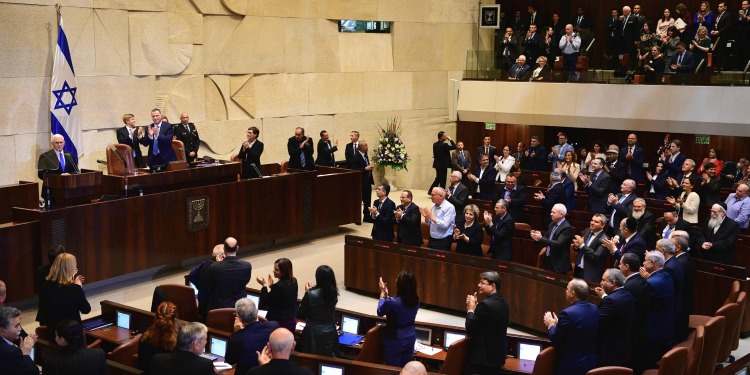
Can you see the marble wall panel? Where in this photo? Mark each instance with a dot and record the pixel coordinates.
(386, 91)
(28, 148)
(111, 35)
(283, 8)
(233, 110)
(8, 154)
(178, 34)
(311, 45)
(181, 6)
(278, 95)
(417, 46)
(184, 94)
(27, 34)
(256, 45)
(361, 52)
(214, 7)
(430, 90)
(139, 5)
(151, 53)
(79, 30)
(349, 10)
(336, 92)
(25, 105)
(457, 40)
(398, 10)
(236, 6)
(64, 3)
(127, 94)
(222, 139)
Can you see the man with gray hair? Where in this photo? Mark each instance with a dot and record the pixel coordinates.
(661, 319)
(645, 220)
(677, 272)
(620, 205)
(250, 336)
(738, 206)
(558, 238)
(15, 359)
(616, 314)
(573, 333)
(681, 239)
(274, 359)
(716, 242)
(228, 277)
(440, 218)
(457, 193)
(555, 194)
(629, 265)
(191, 343)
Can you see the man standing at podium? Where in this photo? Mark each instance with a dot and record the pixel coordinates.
(131, 136)
(57, 156)
(159, 142)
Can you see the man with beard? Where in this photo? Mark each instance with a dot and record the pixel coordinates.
(646, 221)
(718, 237)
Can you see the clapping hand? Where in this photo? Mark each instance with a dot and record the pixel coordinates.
(265, 355)
(80, 279)
(550, 319)
(487, 217)
(471, 301)
(383, 288)
(398, 213)
(308, 286)
(642, 271)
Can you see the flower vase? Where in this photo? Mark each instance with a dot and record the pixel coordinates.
(389, 175)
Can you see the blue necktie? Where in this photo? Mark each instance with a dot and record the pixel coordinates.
(463, 158)
(302, 158)
(62, 161)
(156, 141)
(552, 233)
(507, 194)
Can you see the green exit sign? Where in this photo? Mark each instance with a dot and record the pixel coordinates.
(489, 126)
(702, 139)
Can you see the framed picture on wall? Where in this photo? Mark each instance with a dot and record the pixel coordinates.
(490, 16)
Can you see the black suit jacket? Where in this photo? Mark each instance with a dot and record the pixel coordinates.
(295, 158)
(14, 362)
(181, 362)
(441, 153)
(358, 163)
(164, 140)
(409, 227)
(688, 62)
(636, 163)
(278, 366)
(81, 361)
(724, 25)
(382, 227)
(51, 157)
(123, 137)
(459, 197)
(593, 256)
(486, 183)
(491, 154)
(722, 249)
(554, 195)
(532, 46)
(618, 173)
(559, 254)
(636, 245)
(620, 210)
(228, 281)
(326, 157)
(501, 230)
(249, 157)
(689, 269)
(520, 73)
(244, 343)
(189, 137)
(641, 291)
(647, 228)
(627, 31)
(488, 326)
(518, 198)
(598, 191)
(349, 152)
(616, 314)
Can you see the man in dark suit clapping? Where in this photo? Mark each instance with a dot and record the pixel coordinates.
(516, 197)
(457, 193)
(441, 154)
(487, 325)
(500, 228)
(591, 253)
(557, 239)
(228, 277)
(555, 194)
(361, 162)
(409, 220)
(326, 157)
(381, 213)
(130, 135)
(597, 185)
(250, 153)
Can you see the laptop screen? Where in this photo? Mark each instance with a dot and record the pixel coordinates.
(528, 352)
(424, 335)
(451, 337)
(350, 324)
(218, 346)
(255, 299)
(123, 320)
(331, 370)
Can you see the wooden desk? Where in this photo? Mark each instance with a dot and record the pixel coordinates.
(112, 334)
(196, 175)
(254, 211)
(24, 194)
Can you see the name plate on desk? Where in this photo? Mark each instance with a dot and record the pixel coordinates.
(198, 215)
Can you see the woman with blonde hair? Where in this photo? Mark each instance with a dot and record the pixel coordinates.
(542, 70)
(61, 296)
(700, 46)
(160, 337)
(469, 234)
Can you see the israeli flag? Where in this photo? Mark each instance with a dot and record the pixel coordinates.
(63, 110)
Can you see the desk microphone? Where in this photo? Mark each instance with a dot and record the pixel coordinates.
(70, 157)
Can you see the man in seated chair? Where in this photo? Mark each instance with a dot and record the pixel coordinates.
(274, 359)
(250, 336)
(191, 343)
(15, 359)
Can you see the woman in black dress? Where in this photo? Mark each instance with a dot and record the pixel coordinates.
(317, 307)
(74, 358)
(61, 297)
(653, 65)
(469, 235)
(281, 300)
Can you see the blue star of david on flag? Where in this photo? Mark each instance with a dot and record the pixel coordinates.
(63, 105)
(59, 95)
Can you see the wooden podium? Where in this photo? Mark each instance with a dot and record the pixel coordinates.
(74, 189)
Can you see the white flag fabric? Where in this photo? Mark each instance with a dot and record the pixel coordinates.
(63, 102)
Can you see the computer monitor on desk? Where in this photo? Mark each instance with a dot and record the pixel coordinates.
(254, 298)
(123, 319)
(218, 346)
(451, 337)
(528, 352)
(424, 335)
(330, 370)
(350, 324)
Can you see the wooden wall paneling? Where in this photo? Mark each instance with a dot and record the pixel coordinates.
(19, 257)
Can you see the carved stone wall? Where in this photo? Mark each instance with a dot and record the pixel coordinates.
(231, 64)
